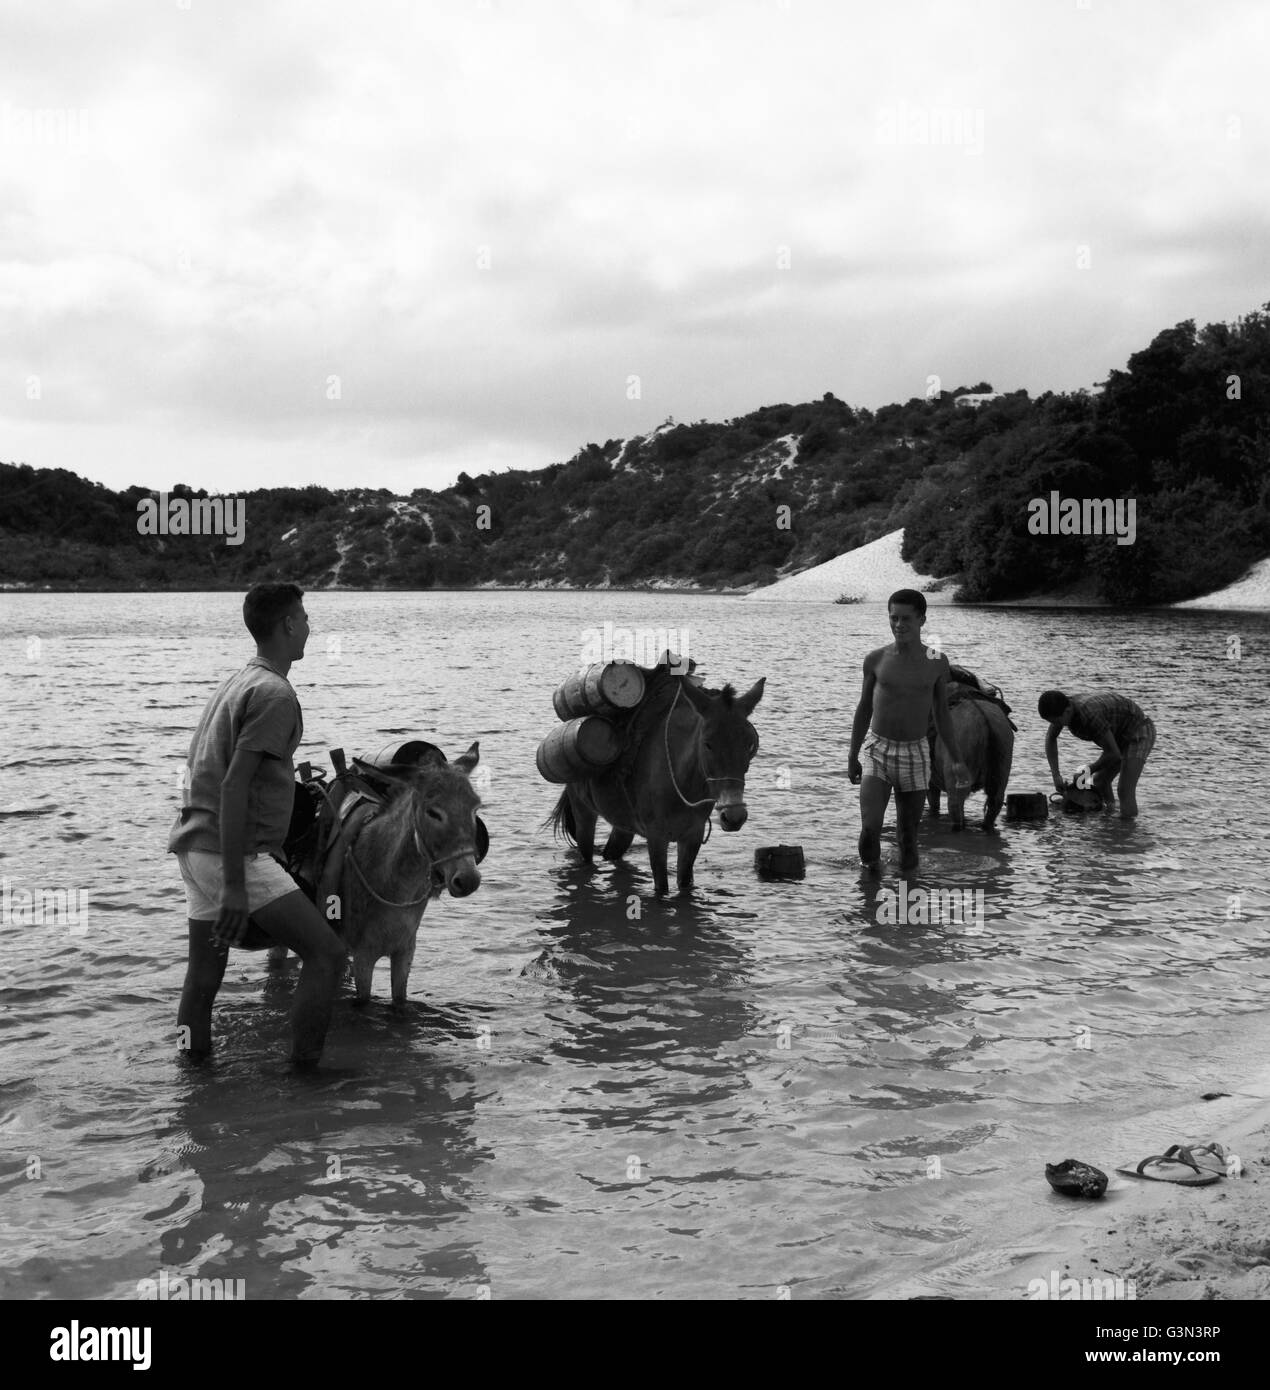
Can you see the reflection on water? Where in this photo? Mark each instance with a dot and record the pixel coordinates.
(595, 1092)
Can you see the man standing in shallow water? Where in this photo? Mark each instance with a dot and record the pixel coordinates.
(237, 811)
(902, 684)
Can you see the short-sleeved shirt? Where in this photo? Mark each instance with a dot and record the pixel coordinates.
(1098, 715)
(256, 710)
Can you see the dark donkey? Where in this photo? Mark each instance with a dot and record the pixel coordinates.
(985, 737)
(685, 765)
(395, 854)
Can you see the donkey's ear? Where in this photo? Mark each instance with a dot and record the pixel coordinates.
(467, 761)
(753, 695)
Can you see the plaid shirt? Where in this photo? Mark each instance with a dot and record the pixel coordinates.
(1099, 715)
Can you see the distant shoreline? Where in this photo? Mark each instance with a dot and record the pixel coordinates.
(1038, 601)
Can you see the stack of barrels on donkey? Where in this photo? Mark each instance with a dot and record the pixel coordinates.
(985, 735)
(671, 752)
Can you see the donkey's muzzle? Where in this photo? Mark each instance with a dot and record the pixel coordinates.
(733, 817)
(464, 881)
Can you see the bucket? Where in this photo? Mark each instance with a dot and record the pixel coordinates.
(1026, 806)
(577, 749)
(1077, 800)
(780, 861)
(603, 688)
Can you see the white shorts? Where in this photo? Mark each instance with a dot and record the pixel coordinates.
(204, 876)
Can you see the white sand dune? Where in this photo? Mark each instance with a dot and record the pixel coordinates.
(870, 574)
(1252, 591)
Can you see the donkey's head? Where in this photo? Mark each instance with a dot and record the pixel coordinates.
(726, 742)
(446, 825)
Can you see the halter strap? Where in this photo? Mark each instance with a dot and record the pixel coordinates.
(670, 767)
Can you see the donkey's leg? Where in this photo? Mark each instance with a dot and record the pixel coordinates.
(363, 972)
(400, 962)
(657, 860)
(1000, 758)
(685, 859)
(618, 842)
(584, 819)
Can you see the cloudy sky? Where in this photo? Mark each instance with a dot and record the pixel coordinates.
(247, 243)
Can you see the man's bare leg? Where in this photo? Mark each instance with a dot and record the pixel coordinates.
(293, 921)
(908, 816)
(875, 796)
(1127, 787)
(203, 978)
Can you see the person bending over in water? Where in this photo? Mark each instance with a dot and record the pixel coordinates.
(903, 684)
(1117, 725)
(237, 809)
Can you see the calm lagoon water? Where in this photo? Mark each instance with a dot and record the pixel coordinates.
(762, 1087)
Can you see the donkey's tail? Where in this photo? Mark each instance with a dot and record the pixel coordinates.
(561, 820)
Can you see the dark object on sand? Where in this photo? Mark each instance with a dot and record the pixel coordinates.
(780, 861)
(1026, 806)
(1073, 1178)
(1214, 1095)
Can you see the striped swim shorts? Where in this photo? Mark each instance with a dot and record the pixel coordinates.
(906, 766)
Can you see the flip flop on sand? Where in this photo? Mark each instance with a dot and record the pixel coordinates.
(1209, 1158)
(1187, 1167)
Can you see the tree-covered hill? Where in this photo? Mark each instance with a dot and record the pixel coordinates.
(1184, 430)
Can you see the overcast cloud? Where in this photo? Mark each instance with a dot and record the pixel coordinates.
(374, 244)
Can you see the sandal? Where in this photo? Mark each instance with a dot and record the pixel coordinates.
(1185, 1170)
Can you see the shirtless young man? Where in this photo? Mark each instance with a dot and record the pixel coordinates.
(237, 809)
(1117, 725)
(902, 683)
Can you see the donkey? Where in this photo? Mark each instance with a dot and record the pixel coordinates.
(692, 762)
(985, 737)
(423, 839)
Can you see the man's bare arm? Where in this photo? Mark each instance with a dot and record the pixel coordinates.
(863, 715)
(231, 923)
(1051, 755)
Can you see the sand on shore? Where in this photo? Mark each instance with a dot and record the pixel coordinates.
(1164, 1241)
(1252, 591)
(869, 574)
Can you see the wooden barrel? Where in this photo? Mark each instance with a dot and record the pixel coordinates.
(1026, 806)
(578, 749)
(780, 861)
(603, 688)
